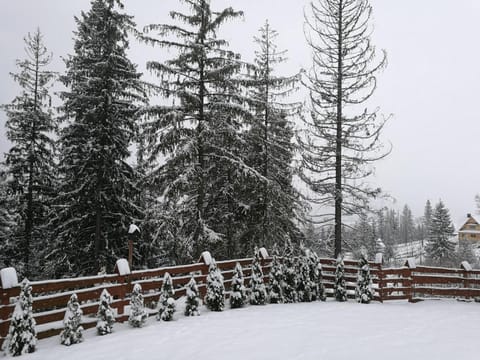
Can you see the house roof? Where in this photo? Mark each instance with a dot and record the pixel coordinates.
(470, 221)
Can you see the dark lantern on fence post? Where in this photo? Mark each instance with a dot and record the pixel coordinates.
(133, 235)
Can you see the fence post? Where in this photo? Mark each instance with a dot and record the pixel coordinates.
(466, 267)
(378, 263)
(411, 265)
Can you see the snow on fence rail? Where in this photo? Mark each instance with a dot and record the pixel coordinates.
(50, 297)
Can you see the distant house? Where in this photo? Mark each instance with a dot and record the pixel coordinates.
(470, 230)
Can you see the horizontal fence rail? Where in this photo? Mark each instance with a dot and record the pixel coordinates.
(412, 283)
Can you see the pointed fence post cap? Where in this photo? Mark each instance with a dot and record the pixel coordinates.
(206, 258)
(122, 267)
(379, 258)
(263, 253)
(8, 278)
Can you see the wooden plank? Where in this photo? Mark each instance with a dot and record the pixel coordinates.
(172, 270)
(435, 291)
(74, 284)
(60, 300)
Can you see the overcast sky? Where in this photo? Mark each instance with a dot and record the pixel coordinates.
(431, 84)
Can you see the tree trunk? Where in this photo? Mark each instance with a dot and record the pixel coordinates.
(338, 150)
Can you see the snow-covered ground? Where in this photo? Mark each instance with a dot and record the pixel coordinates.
(330, 330)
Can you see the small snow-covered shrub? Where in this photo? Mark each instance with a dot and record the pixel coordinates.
(238, 291)
(315, 276)
(340, 287)
(22, 336)
(105, 314)
(72, 331)
(166, 302)
(304, 285)
(291, 281)
(193, 299)
(277, 282)
(215, 297)
(363, 291)
(138, 315)
(258, 292)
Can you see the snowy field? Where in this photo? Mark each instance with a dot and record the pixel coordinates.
(395, 330)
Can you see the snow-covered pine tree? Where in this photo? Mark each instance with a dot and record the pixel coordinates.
(363, 290)
(320, 295)
(96, 201)
(238, 291)
(22, 336)
(72, 330)
(340, 287)
(31, 159)
(276, 281)
(198, 137)
(215, 297)
(291, 276)
(105, 314)
(341, 138)
(7, 222)
(304, 285)
(439, 248)
(274, 203)
(166, 302)
(258, 292)
(315, 275)
(138, 314)
(193, 299)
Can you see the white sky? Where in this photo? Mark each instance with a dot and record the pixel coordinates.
(431, 84)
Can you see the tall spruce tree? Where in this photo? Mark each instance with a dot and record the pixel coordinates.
(275, 206)
(439, 248)
(30, 161)
(198, 135)
(342, 140)
(96, 202)
(7, 221)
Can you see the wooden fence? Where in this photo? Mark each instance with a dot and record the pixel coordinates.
(50, 297)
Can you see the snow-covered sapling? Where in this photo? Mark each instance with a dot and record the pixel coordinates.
(258, 292)
(277, 282)
(105, 314)
(166, 302)
(138, 314)
(291, 280)
(238, 291)
(304, 285)
(340, 287)
(320, 288)
(215, 297)
(193, 299)
(315, 275)
(22, 336)
(363, 291)
(72, 331)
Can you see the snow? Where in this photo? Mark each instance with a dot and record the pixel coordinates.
(8, 277)
(378, 258)
(318, 330)
(206, 257)
(466, 266)
(263, 253)
(133, 229)
(411, 263)
(122, 267)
